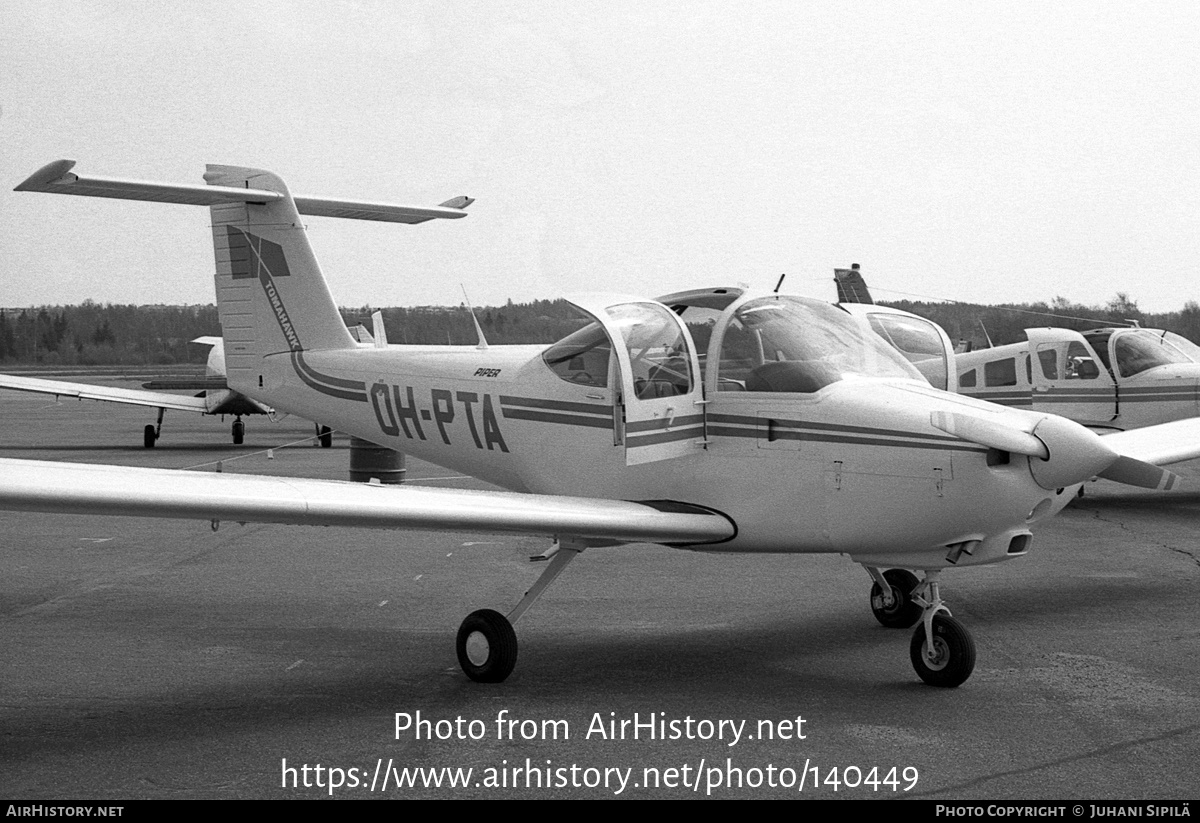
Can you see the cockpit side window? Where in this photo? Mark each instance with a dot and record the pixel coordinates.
(581, 357)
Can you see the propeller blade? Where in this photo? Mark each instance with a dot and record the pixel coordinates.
(1133, 472)
(989, 433)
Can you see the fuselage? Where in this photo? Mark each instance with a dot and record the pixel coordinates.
(1108, 379)
(843, 467)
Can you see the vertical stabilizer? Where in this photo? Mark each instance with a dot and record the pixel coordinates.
(271, 295)
(851, 287)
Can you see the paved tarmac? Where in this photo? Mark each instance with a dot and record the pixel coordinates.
(161, 659)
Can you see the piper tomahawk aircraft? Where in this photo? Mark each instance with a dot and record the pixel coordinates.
(214, 396)
(795, 429)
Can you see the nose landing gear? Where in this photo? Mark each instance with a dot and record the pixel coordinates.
(942, 650)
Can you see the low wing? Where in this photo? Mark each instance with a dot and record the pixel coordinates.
(84, 391)
(75, 488)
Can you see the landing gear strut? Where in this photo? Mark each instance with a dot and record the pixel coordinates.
(486, 643)
(942, 650)
(891, 600)
(151, 433)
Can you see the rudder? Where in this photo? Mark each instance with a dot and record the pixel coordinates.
(271, 295)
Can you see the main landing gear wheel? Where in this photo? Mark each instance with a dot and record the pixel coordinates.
(951, 660)
(325, 437)
(149, 436)
(487, 646)
(239, 432)
(903, 612)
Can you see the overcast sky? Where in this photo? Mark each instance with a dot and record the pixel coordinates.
(987, 152)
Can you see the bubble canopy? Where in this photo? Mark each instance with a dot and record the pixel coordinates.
(775, 343)
(793, 344)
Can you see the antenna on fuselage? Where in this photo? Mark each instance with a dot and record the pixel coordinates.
(483, 344)
(986, 336)
(779, 282)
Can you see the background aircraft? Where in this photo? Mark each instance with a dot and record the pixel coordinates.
(1108, 379)
(213, 395)
(794, 430)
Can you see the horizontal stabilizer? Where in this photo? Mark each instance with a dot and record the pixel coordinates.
(57, 178)
(76, 488)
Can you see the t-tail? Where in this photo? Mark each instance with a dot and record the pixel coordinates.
(272, 299)
(271, 295)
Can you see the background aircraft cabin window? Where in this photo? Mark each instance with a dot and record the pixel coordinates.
(581, 357)
(1000, 372)
(1186, 347)
(966, 380)
(1048, 358)
(1137, 351)
(1080, 365)
(791, 344)
(918, 340)
(658, 350)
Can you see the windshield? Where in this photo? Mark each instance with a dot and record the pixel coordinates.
(918, 340)
(1141, 349)
(790, 344)
(1189, 349)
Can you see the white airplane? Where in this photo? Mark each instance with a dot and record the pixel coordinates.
(214, 396)
(1107, 379)
(795, 430)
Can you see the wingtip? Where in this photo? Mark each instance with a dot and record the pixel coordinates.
(460, 202)
(47, 174)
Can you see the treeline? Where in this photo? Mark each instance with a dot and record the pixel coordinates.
(1005, 323)
(95, 334)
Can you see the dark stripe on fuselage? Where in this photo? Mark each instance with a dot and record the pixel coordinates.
(556, 405)
(306, 374)
(562, 419)
(270, 256)
(655, 438)
(664, 423)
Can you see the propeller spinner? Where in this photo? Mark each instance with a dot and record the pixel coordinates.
(1062, 452)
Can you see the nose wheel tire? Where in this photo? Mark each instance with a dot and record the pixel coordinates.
(239, 432)
(149, 436)
(903, 612)
(951, 660)
(486, 646)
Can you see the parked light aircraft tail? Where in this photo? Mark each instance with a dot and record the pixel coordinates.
(213, 396)
(793, 429)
